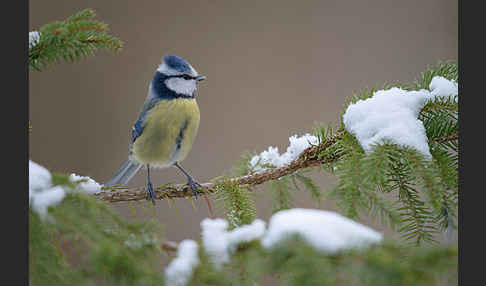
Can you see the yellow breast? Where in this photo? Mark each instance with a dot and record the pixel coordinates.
(168, 134)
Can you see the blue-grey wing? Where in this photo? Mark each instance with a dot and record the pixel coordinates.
(139, 125)
(137, 130)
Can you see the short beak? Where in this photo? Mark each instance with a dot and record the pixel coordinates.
(200, 77)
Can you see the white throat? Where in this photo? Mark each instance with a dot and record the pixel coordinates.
(181, 86)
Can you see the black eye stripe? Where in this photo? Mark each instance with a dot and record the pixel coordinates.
(184, 76)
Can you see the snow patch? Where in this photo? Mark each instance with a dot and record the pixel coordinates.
(245, 233)
(215, 241)
(41, 193)
(219, 243)
(89, 185)
(326, 231)
(39, 177)
(392, 115)
(258, 163)
(180, 270)
(34, 37)
(42, 200)
(442, 87)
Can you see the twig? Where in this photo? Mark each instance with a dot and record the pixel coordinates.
(308, 158)
(451, 137)
(169, 246)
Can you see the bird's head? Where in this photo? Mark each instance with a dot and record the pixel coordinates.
(179, 75)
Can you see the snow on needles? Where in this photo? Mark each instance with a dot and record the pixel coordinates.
(42, 194)
(219, 243)
(39, 177)
(392, 115)
(180, 270)
(389, 115)
(443, 87)
(259, 163)
(33, 38)
(326, 231)
(87, 184)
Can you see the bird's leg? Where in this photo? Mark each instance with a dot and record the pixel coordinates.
(194, 184)
(190, 180)
(150, 187)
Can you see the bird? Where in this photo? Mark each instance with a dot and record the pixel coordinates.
(166, 127)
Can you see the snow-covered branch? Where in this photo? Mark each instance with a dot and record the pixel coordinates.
(308, 158)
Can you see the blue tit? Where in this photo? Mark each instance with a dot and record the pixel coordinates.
(167, 124)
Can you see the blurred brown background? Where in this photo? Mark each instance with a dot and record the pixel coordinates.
(274, 68)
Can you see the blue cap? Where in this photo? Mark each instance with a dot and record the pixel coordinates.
(177, 63)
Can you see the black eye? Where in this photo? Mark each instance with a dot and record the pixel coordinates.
(186, 77)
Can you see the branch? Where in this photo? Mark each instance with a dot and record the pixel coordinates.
(308, 158)
(169, 246)
(451, 137)
(77, 36)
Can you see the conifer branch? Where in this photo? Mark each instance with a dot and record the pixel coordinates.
(308, 158)
(78, 36)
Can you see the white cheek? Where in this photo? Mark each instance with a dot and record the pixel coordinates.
(182, 86)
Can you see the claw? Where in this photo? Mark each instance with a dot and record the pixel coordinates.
(194, 184)
(150, 193)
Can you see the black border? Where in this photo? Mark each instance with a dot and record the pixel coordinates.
(14, 118)
(471, 127)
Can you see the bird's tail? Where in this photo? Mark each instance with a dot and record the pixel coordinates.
(126, 172)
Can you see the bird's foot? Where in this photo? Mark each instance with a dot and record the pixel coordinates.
(150, 193)
(194, 186)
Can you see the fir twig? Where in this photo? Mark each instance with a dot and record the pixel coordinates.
(69, 40)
